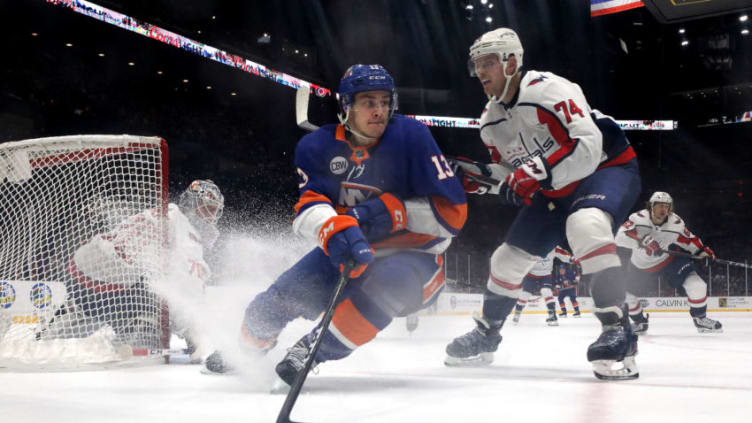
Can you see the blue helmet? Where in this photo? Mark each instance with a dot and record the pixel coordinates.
(359, 78)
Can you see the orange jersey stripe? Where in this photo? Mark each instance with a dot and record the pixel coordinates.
(352, 324)
(311, 197)
(433, 285)
(405, 240)
(455, 215)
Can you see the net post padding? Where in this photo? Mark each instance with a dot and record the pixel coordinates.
(60, 199)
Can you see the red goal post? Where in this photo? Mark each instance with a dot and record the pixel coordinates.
(56, 195)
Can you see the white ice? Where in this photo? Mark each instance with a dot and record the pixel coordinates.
(540, 372)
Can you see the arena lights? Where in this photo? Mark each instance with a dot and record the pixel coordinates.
(120, 20)
(743, 18)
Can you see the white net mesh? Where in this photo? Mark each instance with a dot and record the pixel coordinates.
(82, 231)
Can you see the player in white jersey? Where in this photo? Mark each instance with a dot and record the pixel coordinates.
(650, 233)
(107, 272)
(576, 177)
(540, 278)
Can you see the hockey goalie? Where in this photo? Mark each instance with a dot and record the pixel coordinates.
(112, 277)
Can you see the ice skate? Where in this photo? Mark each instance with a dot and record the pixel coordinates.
(516, 318)
(411, 323)
(216, 362)
(707, 325)
(552, 320)
(641, 327)
(617, 345)
(294, 361)
(577, 314)
(476, 347)
(563, 314)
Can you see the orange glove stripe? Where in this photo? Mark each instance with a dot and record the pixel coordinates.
(396, 210)
(333, 225)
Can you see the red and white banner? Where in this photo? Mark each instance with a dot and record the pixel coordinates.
(605, 7)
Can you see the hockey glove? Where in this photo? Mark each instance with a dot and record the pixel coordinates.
(380, 216)
(706, 252)
(520, 186)
(651, 246)
(475, 176)
(341, 239)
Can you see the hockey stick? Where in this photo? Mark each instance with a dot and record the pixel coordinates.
(323, 326)
(301, 109)
(717, 260)
(143, 352)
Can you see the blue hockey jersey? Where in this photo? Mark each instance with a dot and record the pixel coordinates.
(334, 174)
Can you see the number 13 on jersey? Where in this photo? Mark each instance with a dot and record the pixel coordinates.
(442, 167)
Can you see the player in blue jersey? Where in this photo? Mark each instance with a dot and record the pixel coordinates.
(566, 279)
(374, 189)
(575, 176)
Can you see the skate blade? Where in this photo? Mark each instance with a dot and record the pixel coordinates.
(553, 323)
(279, 387)
(577, 316)
(604, 369)
(480, 360)
(706, 330)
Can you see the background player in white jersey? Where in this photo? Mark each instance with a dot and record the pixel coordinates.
(191, 229)
(540, 278)
(574, 174)
(650, 233)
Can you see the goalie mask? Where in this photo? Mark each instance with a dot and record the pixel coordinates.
(202, 198)
(360, 78)
(504, 43)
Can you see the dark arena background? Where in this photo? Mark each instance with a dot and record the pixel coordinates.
(66, 73)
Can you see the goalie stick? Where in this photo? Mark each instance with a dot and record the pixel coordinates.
(323, 326)
(716, 260)
(301, 109)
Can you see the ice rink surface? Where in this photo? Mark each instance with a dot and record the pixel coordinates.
(540, 374)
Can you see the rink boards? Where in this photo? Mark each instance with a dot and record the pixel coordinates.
(450, 303)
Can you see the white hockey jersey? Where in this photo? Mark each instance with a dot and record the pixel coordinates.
(543, 267)
(550, 117)
(672, 232)
(131, 252)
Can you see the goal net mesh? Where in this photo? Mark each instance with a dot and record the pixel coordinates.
(59, 194)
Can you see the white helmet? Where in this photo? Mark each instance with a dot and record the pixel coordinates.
(502, 42)
(202, 198)
(661, 197)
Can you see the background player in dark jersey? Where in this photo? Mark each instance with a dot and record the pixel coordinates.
(566, 279)
(375, 189)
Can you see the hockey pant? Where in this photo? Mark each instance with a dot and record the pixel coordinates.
(570, 292)
(122, 306)
(585, 221)
(681, 274)
(392, 286)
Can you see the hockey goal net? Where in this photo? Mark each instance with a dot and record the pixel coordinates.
(56, 195)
